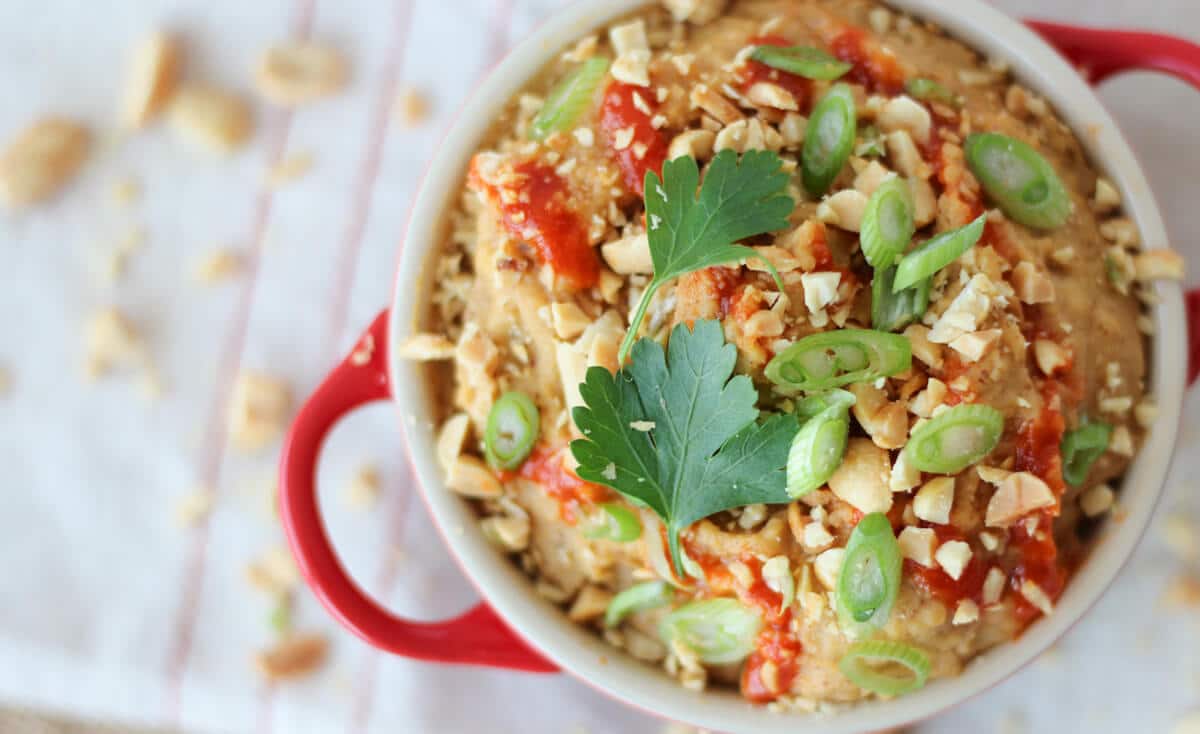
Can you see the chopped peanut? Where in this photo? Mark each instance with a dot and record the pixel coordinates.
(934, 500)
(828, 566)
(698, 12)
(1097, 500)
(293, 657)
(905, 113)
(714, 104)
(863, 477)
(1050, 357)
(363, 490)
(509, 532)
(1158, 265)
(470, 477)
(152, 79)
(918, 545)
(41, 160)
(844, 209)
(217, 266)
(1018, 494)
(1032, 286)
(695, 143)
(629, 255)
(293, 73)
(211, 118)
(953, 556)
(424, 347)
(112, 341)
(258, 410)
(452, 437)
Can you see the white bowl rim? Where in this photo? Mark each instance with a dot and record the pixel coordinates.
(580, 652)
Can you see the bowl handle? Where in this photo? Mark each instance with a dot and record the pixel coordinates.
(476, 637)
(1101, 53)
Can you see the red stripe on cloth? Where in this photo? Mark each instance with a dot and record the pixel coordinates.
(364, 187)
(215, 437)
(360, 710)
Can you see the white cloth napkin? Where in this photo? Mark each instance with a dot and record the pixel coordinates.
(110, 610)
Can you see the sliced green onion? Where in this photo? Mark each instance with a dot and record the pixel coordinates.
(817, 450)
(1080, 449)
(887, 224)
(813, 405)
(569, 99)
(1018, 179)
(719, 631)
(637, 598)
(891, 311)
(835, 358)
(615, 522)
(936, 254)
(512, 430)
(871, 145)
(806, 61)
(907, 667)
(870, 578)
(927, 90)
(281, 617)
(828, 139)
(954, 439)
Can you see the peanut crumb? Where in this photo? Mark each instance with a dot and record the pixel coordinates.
(1181, 592)
(362, 492)
(5, 381)
(111, 342)
(151, 80)
(292, 167)
(412, 107)
(363, 353)
(273, 573)
(194, 507)
(41, 160)
(217, 266)
(211, 118)
(293, 657)
(125, 190)
(259, 408)
(294, 73)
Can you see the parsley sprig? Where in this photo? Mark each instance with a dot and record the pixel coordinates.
(706, 450)
(690, 229)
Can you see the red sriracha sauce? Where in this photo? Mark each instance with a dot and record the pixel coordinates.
(545, 468)
(938, 584)
(874, 68)
(756, 71)
(534, 206)
(647, 149)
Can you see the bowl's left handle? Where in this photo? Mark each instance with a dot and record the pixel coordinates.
(476, 637)
(1100, 53)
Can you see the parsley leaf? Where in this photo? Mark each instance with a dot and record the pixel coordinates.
(689, 229)
(706, 451)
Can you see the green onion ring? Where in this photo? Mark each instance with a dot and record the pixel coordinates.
(855, 665)
(870, 578)
(954, 439)
(828, 139)
(1080, 449)
(887, 224)
(891, 311)
(567, 101)
(613, 521)
(835, 358)
(719, 631)
(937, 253)
(512, 430)
(805, 61)
(637, 598)
(927, 90)
(1018, 179)
(818, 449)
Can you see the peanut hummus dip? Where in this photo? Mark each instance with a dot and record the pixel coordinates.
(897, 535)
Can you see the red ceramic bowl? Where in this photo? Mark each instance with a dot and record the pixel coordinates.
(513, 627)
